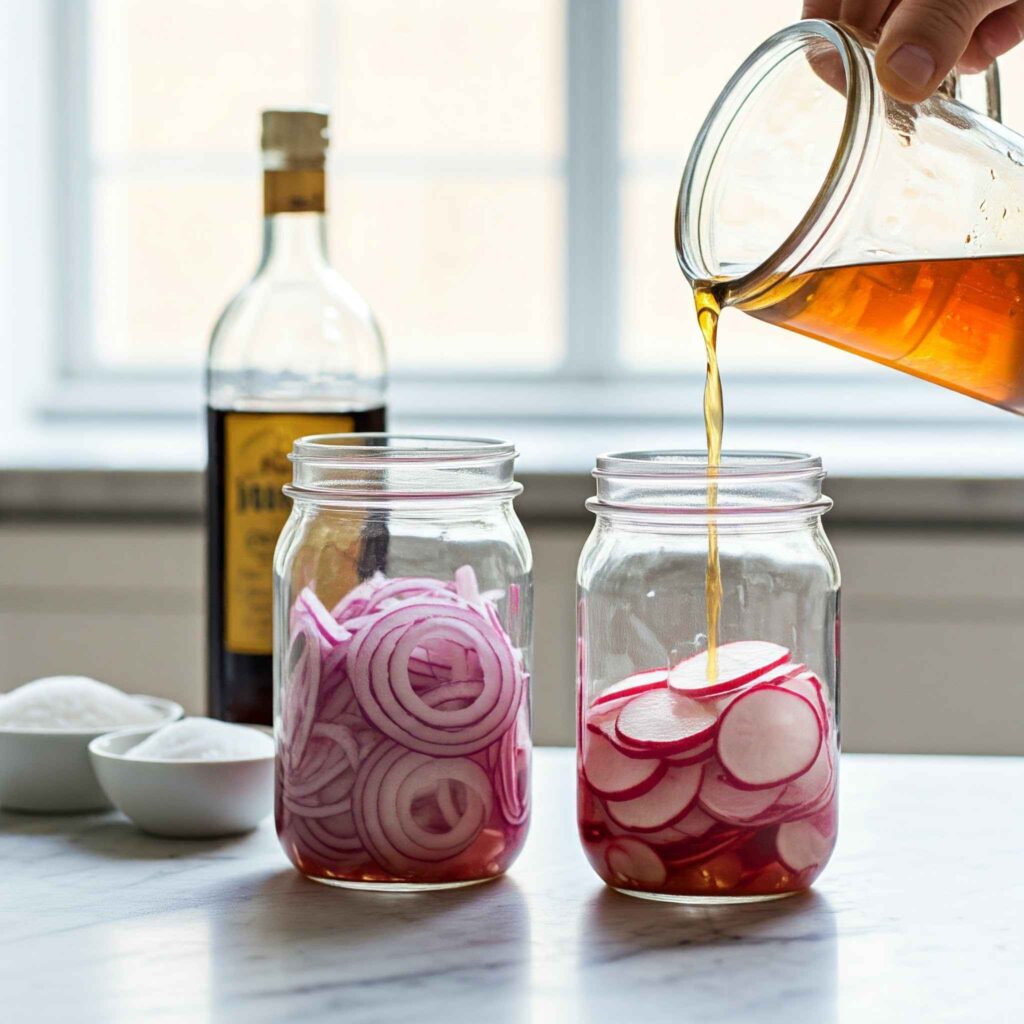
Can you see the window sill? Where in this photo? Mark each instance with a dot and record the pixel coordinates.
(962, 475)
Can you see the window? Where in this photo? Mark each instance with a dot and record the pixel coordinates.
(503, 180)
(447, 169)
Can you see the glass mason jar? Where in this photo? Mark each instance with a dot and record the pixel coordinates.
(695, 783)
(401, 710)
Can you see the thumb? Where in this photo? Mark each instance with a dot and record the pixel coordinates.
(923, 40)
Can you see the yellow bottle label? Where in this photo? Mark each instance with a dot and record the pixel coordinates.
(256, 468)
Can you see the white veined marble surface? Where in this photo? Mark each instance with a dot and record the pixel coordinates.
(919, 918)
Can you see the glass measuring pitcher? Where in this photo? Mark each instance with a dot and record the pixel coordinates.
(815, 201)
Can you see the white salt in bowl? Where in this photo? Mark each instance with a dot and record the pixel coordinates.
(48, 771)
(184, 799)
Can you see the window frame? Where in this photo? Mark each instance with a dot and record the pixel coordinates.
(593, 381)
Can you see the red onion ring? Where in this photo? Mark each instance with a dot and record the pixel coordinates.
(404, 726)
(389, 781)
(377, 665)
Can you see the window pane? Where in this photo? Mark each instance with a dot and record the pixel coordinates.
(676, 61)
(461, 272)
(185, 77)
(167, 254)
(453, 77)
(447, 184)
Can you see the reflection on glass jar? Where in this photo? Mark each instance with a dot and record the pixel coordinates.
(708, 780)
(402, 712)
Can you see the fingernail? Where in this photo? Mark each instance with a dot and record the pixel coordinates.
(914, 64)
(998, 35)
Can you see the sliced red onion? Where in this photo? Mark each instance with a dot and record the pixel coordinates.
(512, 771)
(402, 679)
(355, 600)
(467, 587)
(389, 783)
(329, 630)
(407, 587)
(378, 667)
(303, 669)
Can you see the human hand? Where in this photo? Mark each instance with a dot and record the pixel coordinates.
(921, 41)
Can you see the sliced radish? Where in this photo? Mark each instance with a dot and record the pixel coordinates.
(664, 721)
(613, 775)
(632, 862)
(665, 803)
(800, 845)
(738, 663)
(808, 788)
(729, 804)
(653, 679)
(694, 756)
(768, 737)
(695, 823)
(808, 685)
(603, 724)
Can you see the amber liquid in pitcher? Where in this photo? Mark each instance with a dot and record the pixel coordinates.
(955, 322)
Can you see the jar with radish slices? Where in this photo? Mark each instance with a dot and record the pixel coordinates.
(708, 732)
(402, 662)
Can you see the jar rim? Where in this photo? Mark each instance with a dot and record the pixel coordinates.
(383, 467)
(687, 464)
(748, 486)
(380, 446)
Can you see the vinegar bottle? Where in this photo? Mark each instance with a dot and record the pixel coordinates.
(297, 351)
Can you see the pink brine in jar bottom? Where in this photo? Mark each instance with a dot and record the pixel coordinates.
(690, 789)
(404, 741)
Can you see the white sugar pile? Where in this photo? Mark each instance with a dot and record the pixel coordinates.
(72, 702)
(203, 739)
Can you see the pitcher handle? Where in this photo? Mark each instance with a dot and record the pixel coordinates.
(979, 92)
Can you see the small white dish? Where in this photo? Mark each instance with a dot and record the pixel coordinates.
(184, 799)
(49, 771)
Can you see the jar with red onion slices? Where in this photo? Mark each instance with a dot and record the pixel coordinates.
(707, 772)
(402, 662)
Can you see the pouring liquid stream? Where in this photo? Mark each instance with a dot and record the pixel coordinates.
(707, 317)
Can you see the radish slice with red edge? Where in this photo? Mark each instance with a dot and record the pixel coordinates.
(633, 863)
(668, 801)
(724, 801)
(653, 679)
(664, 722)
(801, 845)
(604, 725)
(806, 789)
(809, 687)
(613, 775)
(739, 662)
(695, 756)
(767, 737)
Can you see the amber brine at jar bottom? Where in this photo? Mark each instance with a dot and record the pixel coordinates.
(725, 861)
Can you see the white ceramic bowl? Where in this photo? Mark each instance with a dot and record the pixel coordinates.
(50, 771)
(184, 799)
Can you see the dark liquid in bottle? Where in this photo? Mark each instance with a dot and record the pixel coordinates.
(245, 511)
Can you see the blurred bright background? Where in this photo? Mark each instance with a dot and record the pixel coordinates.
(503, 175)
(503, 178)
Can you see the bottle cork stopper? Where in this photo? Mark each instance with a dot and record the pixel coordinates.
(294, 139)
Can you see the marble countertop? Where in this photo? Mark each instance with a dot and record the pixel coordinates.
(919, 918)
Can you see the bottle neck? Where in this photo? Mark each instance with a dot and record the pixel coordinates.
(294, 225)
